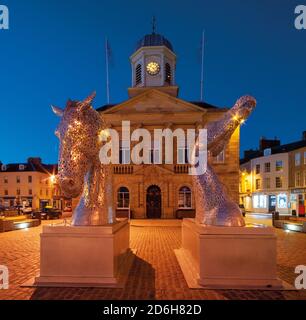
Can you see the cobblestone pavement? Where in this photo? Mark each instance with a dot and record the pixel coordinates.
(155, 273)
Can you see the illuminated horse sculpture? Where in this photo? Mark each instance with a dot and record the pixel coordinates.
(80, 170)
(213, 205)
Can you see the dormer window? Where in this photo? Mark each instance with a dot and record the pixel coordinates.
(138, 77)
(3, 167)
(21, 167)
(168, 74)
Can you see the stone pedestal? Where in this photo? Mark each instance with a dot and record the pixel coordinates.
(93, 256)
(228, 257)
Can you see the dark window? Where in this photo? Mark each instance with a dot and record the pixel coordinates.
(30, 179)
(168, 75)
(138, 74)
(123, 198)
(185, 198)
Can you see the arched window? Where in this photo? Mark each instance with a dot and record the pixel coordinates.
(168, 75)
(123, 198)
(138, 77)
(185, 197)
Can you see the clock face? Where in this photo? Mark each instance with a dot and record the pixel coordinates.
(153, 68)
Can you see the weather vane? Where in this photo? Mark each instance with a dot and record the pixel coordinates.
(153, 24)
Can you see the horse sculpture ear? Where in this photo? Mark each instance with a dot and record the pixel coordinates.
(87, 102)
(58, 111)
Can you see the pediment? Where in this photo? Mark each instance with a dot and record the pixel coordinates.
(154, 102)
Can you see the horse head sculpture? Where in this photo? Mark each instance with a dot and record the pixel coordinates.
(80, 171)
(213, 204)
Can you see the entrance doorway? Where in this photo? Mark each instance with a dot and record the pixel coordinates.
(154, 202)
(272, 203)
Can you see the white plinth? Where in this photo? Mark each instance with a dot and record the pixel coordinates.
(228, 257)
(93, 256)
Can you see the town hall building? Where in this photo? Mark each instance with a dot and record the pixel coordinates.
(162, 190)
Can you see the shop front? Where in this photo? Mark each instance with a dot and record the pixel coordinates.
(268, 203)
(298, 202)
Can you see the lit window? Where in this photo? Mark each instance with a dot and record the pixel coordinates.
(185, 199)
(155, 153)
(183, 155)
(124, 153)
(282, 201)
(279, 165)
(297, 159)
(259, 201)
(267, 167)
(278, 182)
(123, 198)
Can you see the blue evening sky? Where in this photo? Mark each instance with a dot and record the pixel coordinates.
(54, 50)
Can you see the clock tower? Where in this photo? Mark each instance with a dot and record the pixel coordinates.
(153, 65)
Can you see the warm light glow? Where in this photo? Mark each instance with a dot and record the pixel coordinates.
(235, 118)
(153, 68)
(103, 135)
(52, 178)
(242, 121)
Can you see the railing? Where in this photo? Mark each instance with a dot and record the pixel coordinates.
(181, 168)
(123, 169)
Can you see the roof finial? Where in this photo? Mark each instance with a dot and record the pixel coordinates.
(153, 24)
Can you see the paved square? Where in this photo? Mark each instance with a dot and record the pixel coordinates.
(155, 273)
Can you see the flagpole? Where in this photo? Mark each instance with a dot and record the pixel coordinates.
(107, 70)
(202, 66)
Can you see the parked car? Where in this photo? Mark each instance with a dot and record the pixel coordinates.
(242, 208)
(47, 213)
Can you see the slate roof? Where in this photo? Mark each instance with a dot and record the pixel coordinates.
(153, 39)
(275, 150)
(30, 166)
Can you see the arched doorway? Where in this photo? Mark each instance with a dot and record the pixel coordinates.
(154, 202)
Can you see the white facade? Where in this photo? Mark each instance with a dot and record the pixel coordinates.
(268, 184)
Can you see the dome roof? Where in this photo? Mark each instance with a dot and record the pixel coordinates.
(153, 39)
